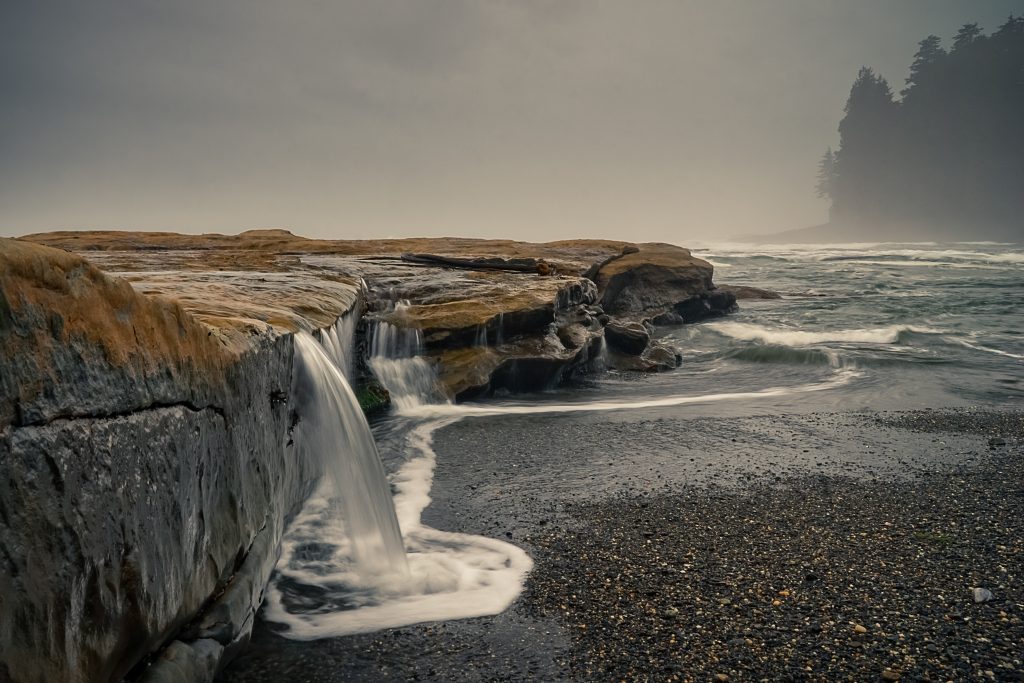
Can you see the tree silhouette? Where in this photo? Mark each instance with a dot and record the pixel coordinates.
(927, 64)
(826, 174)
(949, 153)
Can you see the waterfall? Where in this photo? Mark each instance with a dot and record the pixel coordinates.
(330, 583)
(601, 361)
(337, 341)
(396, 361)
(332, 428)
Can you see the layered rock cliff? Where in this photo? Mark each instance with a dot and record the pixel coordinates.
(145, 397)
(144, 478)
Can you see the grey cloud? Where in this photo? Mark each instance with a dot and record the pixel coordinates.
(538, 120)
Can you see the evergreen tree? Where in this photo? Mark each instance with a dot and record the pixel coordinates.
(966, 36)
(927, 60)
(826, 174)
(864, 136)
(949, 153)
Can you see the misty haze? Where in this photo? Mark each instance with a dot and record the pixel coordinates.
(509, 340)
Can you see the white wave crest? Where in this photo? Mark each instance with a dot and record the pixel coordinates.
(986, 349)
(788, 337)
(839, 378)
(870, 252)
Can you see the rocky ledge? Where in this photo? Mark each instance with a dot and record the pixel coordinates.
(145, 397)
(494, 314)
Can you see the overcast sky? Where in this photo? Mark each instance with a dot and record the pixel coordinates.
(638, 120)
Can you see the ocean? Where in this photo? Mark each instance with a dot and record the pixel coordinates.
(859, 326)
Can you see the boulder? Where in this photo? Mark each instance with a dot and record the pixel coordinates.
(649, 281)
(629, 338)
(702, 306)
(573, 336)
(658, 357)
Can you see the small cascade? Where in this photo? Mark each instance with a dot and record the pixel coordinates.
(338, 342)
(396, 360)
(601, 360)
(481, 336)
(499, 335)
(332, 581)
(332, 428)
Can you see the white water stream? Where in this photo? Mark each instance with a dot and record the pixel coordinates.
(334, 576)
(333, 429)
(337, 578)
(397, 361)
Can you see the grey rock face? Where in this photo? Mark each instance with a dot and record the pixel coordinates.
(144, 472)
(114, 532)
(629, 338)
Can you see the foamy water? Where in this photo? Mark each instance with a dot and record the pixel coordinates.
(889, 334)
(320, 591)
(450, 575)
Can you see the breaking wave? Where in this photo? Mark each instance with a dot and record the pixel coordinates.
(891, 334)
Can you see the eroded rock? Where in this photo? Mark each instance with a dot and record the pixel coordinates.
(142, 466)
(629, 338)
(656, 280)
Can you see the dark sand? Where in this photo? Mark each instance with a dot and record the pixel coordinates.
(823, 547)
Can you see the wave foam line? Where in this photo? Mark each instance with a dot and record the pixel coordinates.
(879, 335)
(986, 349)
(318, 592)
(840, 378)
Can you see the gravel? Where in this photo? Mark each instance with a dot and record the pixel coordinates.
(819, 578)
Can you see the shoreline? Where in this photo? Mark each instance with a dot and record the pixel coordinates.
(599, 566)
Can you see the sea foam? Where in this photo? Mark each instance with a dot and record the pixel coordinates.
(890, 334)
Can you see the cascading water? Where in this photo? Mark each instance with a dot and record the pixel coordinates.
(329, 580)
(337, 342)
(396, 362)
(333, 429)
(320, 591)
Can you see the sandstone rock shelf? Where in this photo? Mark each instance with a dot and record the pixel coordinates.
(145, 476)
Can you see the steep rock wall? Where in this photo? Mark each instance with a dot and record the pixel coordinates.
(145, 476)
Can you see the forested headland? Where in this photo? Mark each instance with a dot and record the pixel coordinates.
(943, 158)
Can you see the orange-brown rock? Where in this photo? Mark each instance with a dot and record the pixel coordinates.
(649, 279)
(70, 333)
(143, 467)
